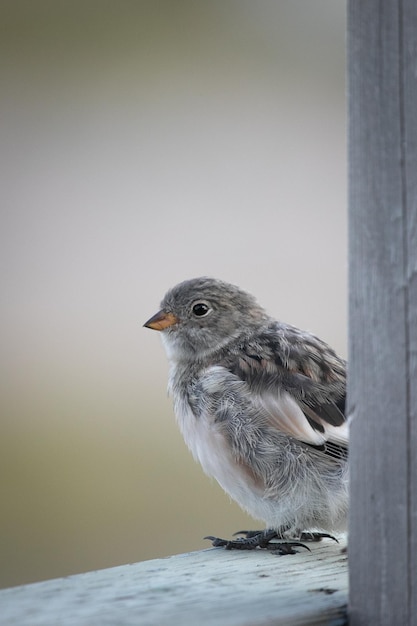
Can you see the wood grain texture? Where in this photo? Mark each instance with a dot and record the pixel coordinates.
(208, 587)
(382, 387)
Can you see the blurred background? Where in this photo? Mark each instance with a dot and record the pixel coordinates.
(142, 143)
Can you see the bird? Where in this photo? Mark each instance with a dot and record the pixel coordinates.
(261, 406)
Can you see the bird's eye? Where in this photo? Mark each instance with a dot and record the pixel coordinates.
(200, 309)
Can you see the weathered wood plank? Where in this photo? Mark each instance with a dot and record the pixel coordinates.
(382, 389)
(409, 86)
(208, 587)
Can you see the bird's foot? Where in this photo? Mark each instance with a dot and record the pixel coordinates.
(310, 536)
(259, 539)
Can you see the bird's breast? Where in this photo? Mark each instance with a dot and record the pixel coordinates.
(209, 445)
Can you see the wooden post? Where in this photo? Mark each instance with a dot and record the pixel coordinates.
(382, 389)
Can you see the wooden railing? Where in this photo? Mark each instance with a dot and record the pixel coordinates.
(210, 587)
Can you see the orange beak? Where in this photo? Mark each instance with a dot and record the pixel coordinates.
(161, 320)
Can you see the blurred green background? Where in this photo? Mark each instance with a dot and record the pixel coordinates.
(142, 143)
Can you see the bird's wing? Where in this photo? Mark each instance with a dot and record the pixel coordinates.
(298, 381)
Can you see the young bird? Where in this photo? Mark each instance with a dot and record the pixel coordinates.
(261, 405)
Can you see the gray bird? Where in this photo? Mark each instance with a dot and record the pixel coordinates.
(261, 405)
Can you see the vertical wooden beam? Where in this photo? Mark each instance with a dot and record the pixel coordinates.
(382, 388)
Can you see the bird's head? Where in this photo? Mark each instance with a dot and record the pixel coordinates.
(201, 315)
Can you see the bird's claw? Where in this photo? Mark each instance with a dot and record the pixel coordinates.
(307, 536)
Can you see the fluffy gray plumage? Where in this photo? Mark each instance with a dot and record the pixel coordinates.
(260, 405)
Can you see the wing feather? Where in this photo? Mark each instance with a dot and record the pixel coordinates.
(299, 381)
